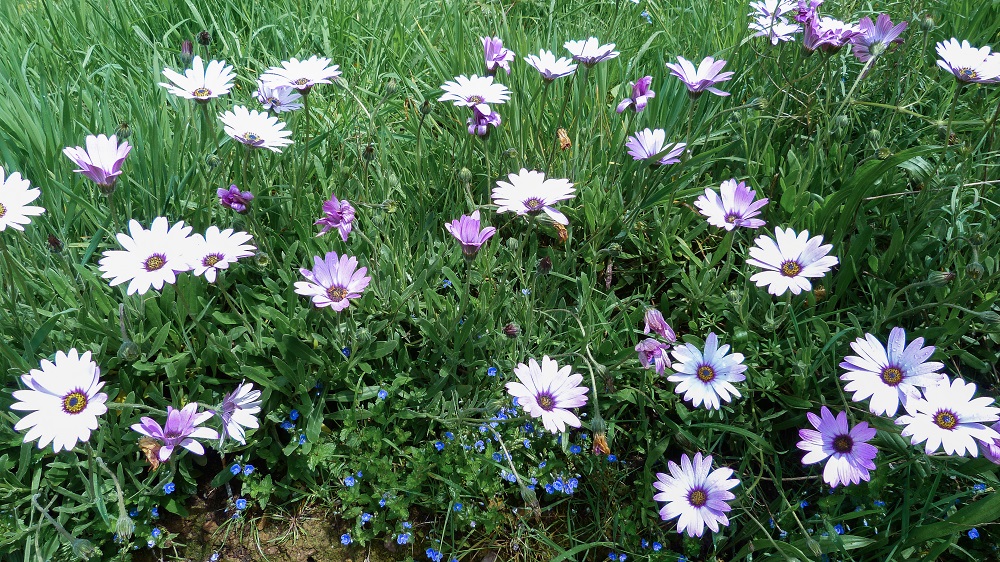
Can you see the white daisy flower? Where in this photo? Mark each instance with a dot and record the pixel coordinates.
(734, 208)
(648, 143)
(707, 376)
(217, 249)
(590, 51)
(475, 92)
(695, 494)
(278, 99)
(239, 410)
(301, 75)
(947, 417)
(547, 391)
(150, 258)
(200, 83)
(789, 259)
(63, 399)
(15, 194)
(890, 375)
(545, 62)
(968, 63)
(256, 129)
(529, 193)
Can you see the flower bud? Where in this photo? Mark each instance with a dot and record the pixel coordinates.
(875, 135)
(976, 238)
(204, 38)
(511, 153)
(883, 153)
(465, 175)
(545, 266)
(927, 23)
(262, 259)
(123, 131)
(974, 270)
(425, 108)
(940, 278)
(55, 244)
(990, 317)
(187, 52)
(213, 161)
(511, 330)
(390, 88)
(740, 336)
(128, 351)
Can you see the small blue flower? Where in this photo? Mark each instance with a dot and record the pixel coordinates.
(657, 547)
(839, 528)
(549, 489)
(458, 507)
(644, 543)
(622, 557)
(381, 502)
(612, 556)
(286, 425)
(803, 504)
(612, 458)
(248, 469)
(293, 415)
(979, 487)
(878, 503)
(382, 394)
(407, 525)
(525, 292)
(155, 512)
(169, 488)
(497, 457)
(529, 427)
(435, 555)
(645, 14)
(349, 481)
(439, 446)
(541, 464)
(150, 543)
(241, 504)
(446, 283)
(527, 443)
(366, 517)
(973, 534)
(571, 485)
(483, 429)
(575, 449)
(235, 469)
(516, 404)
(558, 484)
(302, 439)
(156, 533)
(403, 538)
(346, 539)
(135, 512)
(510, 478)
(491, 372)
(480, 446)
(449, 436)
(214, 557)
(682, 558)
(359, 475)
(347, 352)
(783, 534)
(771, 522)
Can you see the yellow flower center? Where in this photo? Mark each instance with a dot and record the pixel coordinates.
(211, 259)
(946, 419)
(697, 497)
(336, 294)
(301, 82)
(790, 268)
(3, 210)
(202, 93)
(476, 99)
(892, 376)
(74, 402)
(705, 373)
(154, 262)
(534, 204)
(967, 74)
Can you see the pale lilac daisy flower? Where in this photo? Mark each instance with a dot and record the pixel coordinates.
(255, 129)
(15, 194)
(648, 144)
(734, 208)
(590, 51)
(654, 353)
(301, 75)
(828, 34)
(695, 494)
(846, 451)
(789, 260)
(466, 229)
(876, 37)
(773, 8)
(150, 257)
(991, 449)
(235, 199)
(529, 193)
(101, 161)
(337, 214)
(180, 430)
(658, 325)
(215, 250)
(968, 63)
(704, 78)
(496, 55)
(807, 10)
(333, 281)
(775, 29)
(549, 67)
(641, 94)
(949, 418)
(476, 92)
(200, 83)
(278, 99)
(707, 376)
(890, 375)
(239, 410)
(547, 391)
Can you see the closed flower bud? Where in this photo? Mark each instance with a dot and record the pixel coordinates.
(187, 52)
(55, 244)
(601, 447)
(123, 131)
(128, 351)
(425, 108)
(940, 278)
(990, 317)
(758, 103)
(883, 153)
(976, 239)
(874, 135)
(511, 330)
(927, 24)
(391, 205)
(511, 153)
(369, 153)
(213, 161)
(740, 336)
(262, 259)
(390, 88)
(974, 270)
(204, 38)
(545, 266)
(465, 175)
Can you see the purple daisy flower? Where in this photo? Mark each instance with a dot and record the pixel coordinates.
(548, 391)
(707, 375)
(653, 353)
(846, 450)
(235, 199)
(101, 161)
(467, 230)
(657, 324)
(647, 144)
(991, 449)
(735, 207)
(590, 51)
(695, 494)
(337, 214)
(876, 37)
(496, 55)
(807, 10)
(479, 124)
(828, 34)
(702, 79)
(641, 94)
(181, 430)
(333, 281)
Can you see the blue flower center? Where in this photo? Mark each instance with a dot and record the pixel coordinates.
(705, 373)
(74, 402)
(201, 93)
(967, 74)
(946, 419)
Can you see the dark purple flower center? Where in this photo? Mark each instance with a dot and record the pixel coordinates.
(891, 375)
(336, 294)
(272, 101)
(697, 497)
(74, 402)
(946, 419)
(301, 82)
(705, 373)
(534, 204)
(731, 218)
(211, 259)
(546, 401)
(154, 262)
(790, 268)
(201, 93)
(843, 444)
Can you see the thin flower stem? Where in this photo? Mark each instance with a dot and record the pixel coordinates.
(854, 86)
(951, 115)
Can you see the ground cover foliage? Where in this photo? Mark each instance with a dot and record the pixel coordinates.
(391, 416)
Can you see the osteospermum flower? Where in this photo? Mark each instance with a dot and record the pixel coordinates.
(641, 94)
(150, 257)
(476, 92)
(466, 229)
(654, 353)
(845, 449)
(590, 51)
(991, 449)
(239, 410)
(63, 399)
(547, 391)
(876, 37)
(947, 417)
(890, 375)
(647, 144)
(776, 29)
(479, 124)
(789, 260)
(301, 75)
(658, 325)
(496, 55)
(773, 8)
(734, 208)
(337, 214)
(101, 161)
(15, 194)
(706, 376)
(529, 193)
(278, 99)
(333, 281)
(213, 252)
(200, 83)
(234, 199)
(180, 430)
(550, 67)
(255, 128)
(828, 34)
(695, 494)
(968, 63)
(704, 78)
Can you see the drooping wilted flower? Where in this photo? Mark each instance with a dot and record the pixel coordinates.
(734, 208)
(63, 399)
(549, 67)
(333, 281)
(476, 92)
(704, 78)
(658, 325)
(239, 410)
(789, 260)
(278, 99)
(647, 144)
(808, 9)
(255, 129)
(479, 124)
(991, 449)
(337, 214)
(846, 451)
(235, 199)
(301, 75)
(200, 83)
(466, 229)
(496, 55)
(590, 51)
(772, 8)
(890, 375)
(547, 391)
(876, 37)
(641, 94)
(828, 34)
(695, 494)
(529, 193)
(180, 430)
(654, 353)
(15, 194)
(101, 161)
(967, 63)
(214, 251)
(707, 376)
(949, 418)
(150, 257)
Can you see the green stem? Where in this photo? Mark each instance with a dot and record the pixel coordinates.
(951, 116)
(854, 86)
